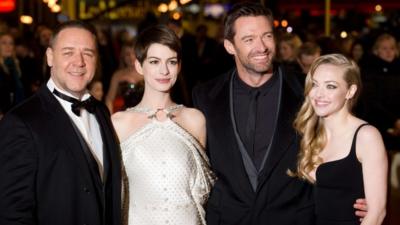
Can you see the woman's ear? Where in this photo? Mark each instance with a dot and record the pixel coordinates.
(138, 67)
(351, 92)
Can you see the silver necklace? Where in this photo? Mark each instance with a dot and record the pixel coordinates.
(152, 113)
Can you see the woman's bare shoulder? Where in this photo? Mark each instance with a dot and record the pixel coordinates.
(192, 114)
(127, 122)
(368, 133)
(121, 116)
(369, 142)
(193, 121)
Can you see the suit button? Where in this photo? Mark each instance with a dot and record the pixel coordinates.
(85, 189)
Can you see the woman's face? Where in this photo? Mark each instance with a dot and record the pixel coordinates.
(160, 68)
(329, 92)
(357, 52)
(97, 90)
(286, 51)
(6, 46)
(129, 56)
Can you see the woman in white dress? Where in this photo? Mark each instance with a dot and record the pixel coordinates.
(162, 143)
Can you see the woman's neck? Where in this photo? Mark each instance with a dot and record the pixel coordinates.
(338, 123)
(156, 101)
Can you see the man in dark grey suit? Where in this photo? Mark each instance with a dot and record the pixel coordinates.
(250, 139)
(59, 159)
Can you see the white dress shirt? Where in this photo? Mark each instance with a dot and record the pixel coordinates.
(86, 123)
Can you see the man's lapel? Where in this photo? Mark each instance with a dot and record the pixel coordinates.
(108, 137)
(222, 122)
(65, 133)
(284, 134)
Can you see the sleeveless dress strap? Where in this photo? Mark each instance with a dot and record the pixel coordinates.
(353, 144)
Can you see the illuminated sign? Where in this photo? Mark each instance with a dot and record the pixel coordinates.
(7, 5)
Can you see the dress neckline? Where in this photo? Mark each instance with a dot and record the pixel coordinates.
(152, 113)
(349, 154)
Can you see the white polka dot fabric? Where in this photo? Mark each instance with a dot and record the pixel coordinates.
(168, 175)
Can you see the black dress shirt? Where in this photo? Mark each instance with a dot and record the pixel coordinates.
(267, 103)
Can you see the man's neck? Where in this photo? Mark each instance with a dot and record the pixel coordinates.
(254, 80)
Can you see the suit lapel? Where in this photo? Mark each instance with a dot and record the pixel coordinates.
(284, 134)
(66, 134)
(223, 123)
(106, 135)
(111, 164)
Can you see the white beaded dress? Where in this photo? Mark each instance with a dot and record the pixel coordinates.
(168, 173)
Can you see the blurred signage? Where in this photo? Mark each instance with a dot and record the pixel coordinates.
(7, 6)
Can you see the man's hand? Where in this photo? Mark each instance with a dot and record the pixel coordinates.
(395, 130)
(361, 208)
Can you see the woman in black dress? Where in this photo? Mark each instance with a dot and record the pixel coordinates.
(342, 155)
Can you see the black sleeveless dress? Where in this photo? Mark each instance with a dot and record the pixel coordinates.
(338, 184)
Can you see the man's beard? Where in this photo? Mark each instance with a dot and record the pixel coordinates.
(260, 69)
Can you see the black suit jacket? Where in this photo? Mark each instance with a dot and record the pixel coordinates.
(45, 176)
(279, 199)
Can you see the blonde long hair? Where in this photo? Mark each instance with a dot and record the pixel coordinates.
(309, 125)
(13, 56)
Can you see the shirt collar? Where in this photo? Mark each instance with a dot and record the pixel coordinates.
(242, 87)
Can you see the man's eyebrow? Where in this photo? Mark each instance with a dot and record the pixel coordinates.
(84, 49)
(67, 48)
(89, 50)
(246, 36)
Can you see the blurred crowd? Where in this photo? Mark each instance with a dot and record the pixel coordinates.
(23, 67)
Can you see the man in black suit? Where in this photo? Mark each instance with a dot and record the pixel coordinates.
(59, 159)
(250, 138)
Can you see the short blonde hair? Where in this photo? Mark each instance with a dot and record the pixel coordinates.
(384, 37)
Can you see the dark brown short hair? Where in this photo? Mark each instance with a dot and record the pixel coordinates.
(159, 34)
(244, 9)
(73, 24)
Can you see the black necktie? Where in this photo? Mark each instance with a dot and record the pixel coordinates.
(251, 121)
(89, 104)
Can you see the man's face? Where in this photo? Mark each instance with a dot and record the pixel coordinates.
(45, 36)
(72, 59)
(253, 44)
(387, 50)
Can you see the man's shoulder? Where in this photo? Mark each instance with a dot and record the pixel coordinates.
(34, 107)
(212, 84)
(24, 113)
(28, 106)
(294, 80)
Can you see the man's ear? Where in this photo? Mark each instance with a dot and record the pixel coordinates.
(229, 47)
(49, 56)
(138, 67)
